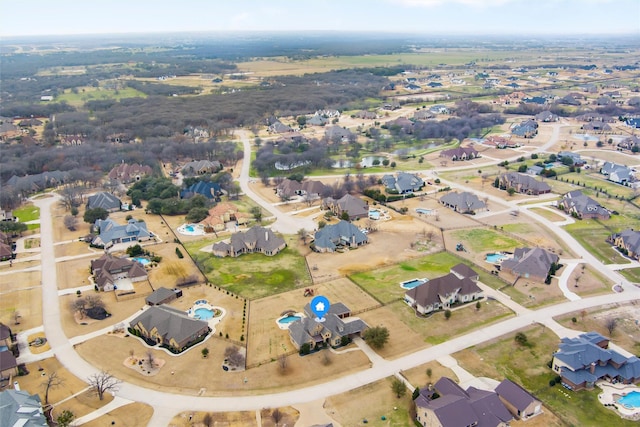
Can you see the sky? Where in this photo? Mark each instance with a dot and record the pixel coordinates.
(512, 17)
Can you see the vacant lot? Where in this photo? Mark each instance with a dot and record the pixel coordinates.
(527, 366)
(19, 280)
(28, 304)
(419, 378)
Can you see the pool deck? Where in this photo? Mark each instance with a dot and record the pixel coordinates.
(608, 397)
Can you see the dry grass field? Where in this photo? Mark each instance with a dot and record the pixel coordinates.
(38, 374)
(419, 378)
(133, 414)
(226, 419)
(27, 302)
(75, 273)
(402, 338)
(19, 281)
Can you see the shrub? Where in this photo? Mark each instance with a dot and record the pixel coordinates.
(179, 253)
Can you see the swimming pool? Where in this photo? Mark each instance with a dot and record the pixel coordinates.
(202, 313)
(495, 258)
(288, 319)
(374, 214)
(630, 400)
(414, 283)
(424, 211)
(141, 260)
(190, 228)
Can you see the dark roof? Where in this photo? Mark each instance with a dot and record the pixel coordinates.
(515, 394)
(343, 232)
(463, 270)
(5, 332)
(436, 290)
(7, 360)
(534, 262)
(170, 323)
(207, 189)
(103, 200)
(160, 295)
(463, 202)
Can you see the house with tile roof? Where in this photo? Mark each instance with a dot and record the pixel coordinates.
(460, 153)
(18, 408)
(583, 360)
(222, 214)
(522, 404)
(403, 182)
(456, 407)
(576, 159)
(201, 167)
(256, 239)
(356, 208)
(530, 263)
(104, 200)
(443, 292)
(579, 205)
(169, 327)
(108, 270)
(628, 241)
(523, 183)
(343, 234)
(337, 325)
(111, 233)
(463, 202)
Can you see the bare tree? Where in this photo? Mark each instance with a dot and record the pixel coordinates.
(207, 420)
(16, 317)
(102, 383)
(52, 381)
(151, 360)
(302, 233)
(611, 323)
(308, 199)
(71, 222)
(79, 305)
(234, 356)
(276, 416)
(94, 301)
(283, 363)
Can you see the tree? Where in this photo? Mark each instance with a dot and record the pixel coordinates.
(447, 314)
(151, 360)
(205, 352)
(398, 387)
(276, 416)
(478, 305)
(521, 339)
(207, 420)
(71, 222)
(283, 363)
(92, 215)
(52, 381)
(429, 373)
(302, 233)
(610, 323)
(65, 418)
(197, 214)
(103, 382)
(256, 212)
(376, 337)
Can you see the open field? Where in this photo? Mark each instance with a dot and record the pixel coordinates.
(227, 419)
(503, 358)
(19, 281)
(133, 414)
(631, 274)
(80, 96)
(28, 304)
(27, 212)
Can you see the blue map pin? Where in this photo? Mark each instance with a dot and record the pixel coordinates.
(320, 306)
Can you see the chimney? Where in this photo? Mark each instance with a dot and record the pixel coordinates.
(592, 369)
(266, 235)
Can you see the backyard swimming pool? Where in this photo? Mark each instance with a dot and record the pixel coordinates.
(191, 229)
(374, 214)
(495, 258)
(286, 320)
(141, 260)
(630, 400)
(414, 283)
(424, 211)
(203, 313)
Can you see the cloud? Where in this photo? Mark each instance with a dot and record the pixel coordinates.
(434, 3)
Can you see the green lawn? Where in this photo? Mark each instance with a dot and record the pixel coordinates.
(631, 274)
(483, 239)
(27, 213)
(527, 367)
(253, 276)
(90, 93)
(384, 283)
(595, 180)
(592, 234)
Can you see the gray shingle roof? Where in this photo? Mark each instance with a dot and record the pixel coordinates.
(463, 202)
(343, 232)
(438, 289)
(534, 262)
(170, 323)
(515, 394)
(20, 409)
(159, 295)
(104, 200)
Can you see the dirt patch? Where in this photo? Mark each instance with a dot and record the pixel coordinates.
(19, 281)
(286, 416)
(34, 346)
(144, 365)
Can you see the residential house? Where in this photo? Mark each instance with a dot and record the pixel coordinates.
(279, 127)
(222, 214)
(310, 188)
(337, 134)
(530, 263)
(580, 205)
(464, 202)
(501, 142)
(633, 122)
(210, 190)
(534, 170)
(576, 159)
(8, 130)
(631, 143)
(71, 139)
(401, 123)
(627, 241)
(106, 201)
(403, 183)
(535, 100)
(126, 173)
(570, 99)
(163, 295)
(111, 233)
(460, 153)
(596, 127)
(547, 116)
(169, 327)
(583, 360)
(391, 106)
(456, 407)
(18, 408)
(38, 182)
(439, 109)
(526, 129)
(423, 115)
(517, 400)
(337, 325)
(434, 84)
(8, 364)
(356, 208)
(6, 336)
(109, 270)
(256, 239)
(367, 115)
(201, 167)
(412, 86)
(5, 251)
(342, 234)
(442, 292)
(317, 120)
(522, 183)
(332, 114)
(619, 174)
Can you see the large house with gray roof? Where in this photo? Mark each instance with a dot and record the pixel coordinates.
(108, 270)
(356, 208)
(523, 183)
(522, 404)
(111, 233)
(459, 286)
(628, 241)
(201, 167)
(106, 201)
(453, 406)
(619, 174)
(580, 205)
(18, 408)
(583, 360)
(310, 188)
(337, 325)
(464, 202)
(460, 153)
(530, 263)
(343, 234)
(256, 239)
(403, 182)
(169, 327)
